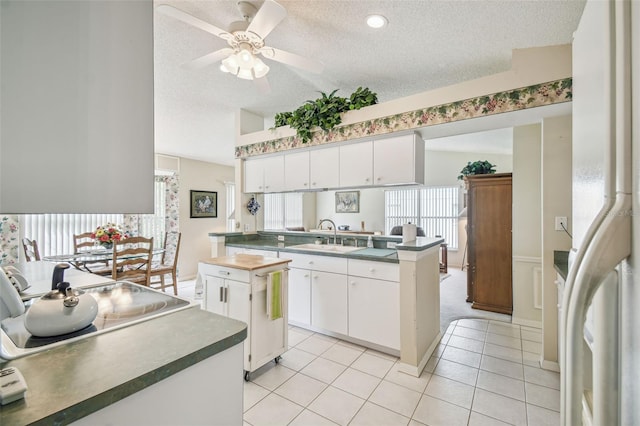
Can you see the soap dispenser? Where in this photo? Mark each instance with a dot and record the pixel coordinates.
(370, 242)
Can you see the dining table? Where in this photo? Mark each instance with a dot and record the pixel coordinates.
(85, 258)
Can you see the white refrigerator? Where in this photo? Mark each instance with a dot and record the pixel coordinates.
(600, 342)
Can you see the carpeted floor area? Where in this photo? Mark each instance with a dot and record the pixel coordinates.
(453, 293)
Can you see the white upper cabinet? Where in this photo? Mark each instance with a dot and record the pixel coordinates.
(264, 174)
(356, 164)
(398, 160)
(296, 171)
(77, 107)
(324, 168)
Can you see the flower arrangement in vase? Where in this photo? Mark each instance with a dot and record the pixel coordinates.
(107, 234)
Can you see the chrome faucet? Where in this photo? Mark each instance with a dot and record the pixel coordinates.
(335, 232)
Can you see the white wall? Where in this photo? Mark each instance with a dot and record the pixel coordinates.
(199, 175)
(556, 201)
(527, 222)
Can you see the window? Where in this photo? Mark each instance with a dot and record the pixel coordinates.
(434, 209)
(153, 225)
(54, 232)
(282, 210)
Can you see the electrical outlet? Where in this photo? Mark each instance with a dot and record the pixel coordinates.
(246, 227)
(561, 223)
(391, 244)
(280, 237)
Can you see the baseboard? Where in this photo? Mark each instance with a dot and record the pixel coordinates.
(416, 370)
(526, 322)
(550, 365)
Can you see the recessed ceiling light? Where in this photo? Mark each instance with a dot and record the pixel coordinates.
(377, 21)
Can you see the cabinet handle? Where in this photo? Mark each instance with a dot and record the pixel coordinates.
(313, 183)
(224, 273)
(372, 270)
(305, 184)
(311, 262)
(366, 179)
(306, 275)
(221, 292)
(353, 283)
(315, 278)
(226, 295)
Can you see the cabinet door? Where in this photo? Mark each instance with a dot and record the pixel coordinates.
(356, 164)
(374, 311)
(214, 288)
(274, 173)
(398, 160)
(323, 169)
(254, 175)
(300, 296)
(329, 301)
(296, 171)
(237, 300)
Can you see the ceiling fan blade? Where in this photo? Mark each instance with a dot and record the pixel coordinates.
(178, 14)
(206, 60)
(267, 18)
(263, 85)
(292, 59)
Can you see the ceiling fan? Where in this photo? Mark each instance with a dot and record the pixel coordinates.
(246, 42)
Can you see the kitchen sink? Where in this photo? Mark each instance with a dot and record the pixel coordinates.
(326, 248)
(120, 304)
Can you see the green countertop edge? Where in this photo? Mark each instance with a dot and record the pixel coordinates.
(234, 332)
(561, 263)
(420, 244)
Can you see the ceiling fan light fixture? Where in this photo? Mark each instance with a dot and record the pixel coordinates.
(230, 65)
(377, 21)
(260, 69)
(245, 73)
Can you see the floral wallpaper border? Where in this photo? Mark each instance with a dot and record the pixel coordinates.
(9, 239)
(552, 92)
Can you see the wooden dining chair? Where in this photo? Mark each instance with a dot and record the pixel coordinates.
(132, 260)
(31, 251)
(84, 242)
(168, 264)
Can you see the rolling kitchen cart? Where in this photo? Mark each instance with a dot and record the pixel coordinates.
(236, 287)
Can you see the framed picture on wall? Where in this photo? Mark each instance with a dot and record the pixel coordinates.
(204, 204)
(348, 202)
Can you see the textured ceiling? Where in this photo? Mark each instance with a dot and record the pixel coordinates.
(427, 44)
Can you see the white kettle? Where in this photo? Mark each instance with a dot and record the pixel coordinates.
(61, 311)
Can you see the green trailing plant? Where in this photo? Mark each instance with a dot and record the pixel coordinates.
(324, 112)
(477, 168)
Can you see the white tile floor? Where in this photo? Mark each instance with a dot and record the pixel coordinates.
(484, 372)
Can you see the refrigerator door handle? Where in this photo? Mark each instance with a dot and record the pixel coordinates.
(610, 246)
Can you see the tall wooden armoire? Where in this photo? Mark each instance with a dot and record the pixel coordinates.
(489, 273)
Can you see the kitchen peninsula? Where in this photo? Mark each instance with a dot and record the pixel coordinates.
(189, 358)
(384, 298)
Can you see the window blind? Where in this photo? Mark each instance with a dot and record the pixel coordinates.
(434, 209)
(282, 210)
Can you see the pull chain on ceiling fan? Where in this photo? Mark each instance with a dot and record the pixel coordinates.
(246, 42)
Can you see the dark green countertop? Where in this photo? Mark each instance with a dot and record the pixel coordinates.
(561, 263)
(71, 381)
(268, 240)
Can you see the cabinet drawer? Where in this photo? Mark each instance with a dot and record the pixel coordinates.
(317, 263)
(377, 270)
(226, 273)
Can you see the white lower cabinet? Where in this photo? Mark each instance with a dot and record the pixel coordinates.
(300, 296)
(242, 295)
(353, 297)
(374, 311)
(329, 301)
